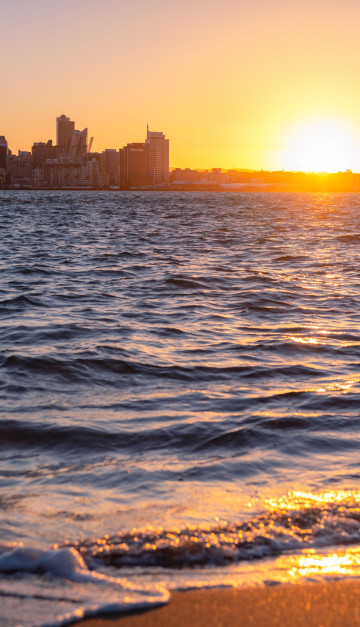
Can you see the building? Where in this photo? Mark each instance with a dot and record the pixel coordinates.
(145, 164)
(20, 169)
(41, 151)
(186, 176)
(157, 157)
(133, 166)
(77, 145)
(3, 153)
(72, 173)
(64, 130)
(110, 165)
(217, 177)
(73, 143)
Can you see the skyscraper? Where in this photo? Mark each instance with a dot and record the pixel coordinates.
(3, 152)
(133, 165)
(64, 130)
(77, 144)
(110, 164)
(157, 157)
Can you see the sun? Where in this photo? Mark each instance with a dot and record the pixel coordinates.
(322, 145)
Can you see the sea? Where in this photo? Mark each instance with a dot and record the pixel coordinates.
(179, 396)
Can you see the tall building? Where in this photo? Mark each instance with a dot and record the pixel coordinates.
(110, 165)
(133, 172)
(3, 153)
(157, 157)
(77, 145)
(64, 130)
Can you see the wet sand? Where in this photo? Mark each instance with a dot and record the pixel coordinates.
(299, 605)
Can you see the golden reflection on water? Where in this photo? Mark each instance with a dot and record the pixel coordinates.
(341, 563)
(312, 518)
(317, 563)
(316, 340)
(310, 565)
(298, 500)
(305, 340)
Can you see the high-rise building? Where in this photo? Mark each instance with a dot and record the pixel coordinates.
(64, 130)
(157, 157)
(110, 165)
(3, 153)
(133, 166)
(77, 145)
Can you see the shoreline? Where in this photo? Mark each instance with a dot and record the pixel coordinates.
(246, 190)
(318, 604)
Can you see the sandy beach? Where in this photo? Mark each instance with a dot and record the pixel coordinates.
(314, 605)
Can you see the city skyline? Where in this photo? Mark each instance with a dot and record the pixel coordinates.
(245, 86)
(70, 163)
(319, 145)
(313, 144)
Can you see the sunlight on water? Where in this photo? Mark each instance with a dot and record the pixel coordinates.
(342, 563)
(308, 565)
(305, 500)
(305, 340)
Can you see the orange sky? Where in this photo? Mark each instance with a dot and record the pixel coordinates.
(237, 84)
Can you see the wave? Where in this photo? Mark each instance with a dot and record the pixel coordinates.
(20, 302)
(242, 427)
(350, 238)
(299, 521)
(81, 368)
(90, 594)
(185, 282)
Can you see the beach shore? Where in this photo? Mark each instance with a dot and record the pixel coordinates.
(335, 604)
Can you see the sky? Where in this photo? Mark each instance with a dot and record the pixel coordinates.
(266, 84)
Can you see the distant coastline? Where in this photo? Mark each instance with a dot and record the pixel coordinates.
(234, 181)
(71, 164)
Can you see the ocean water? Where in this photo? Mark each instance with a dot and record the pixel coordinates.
(179, 396)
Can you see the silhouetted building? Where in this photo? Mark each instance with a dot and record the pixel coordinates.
(157, 157)
(20, 169)
(41, 151)
(145, 164)
(64, 130)
(77, 148)
(73, 143)
(3, 153)
(110, 165)
(133, 171)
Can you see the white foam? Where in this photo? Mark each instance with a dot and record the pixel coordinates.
(61, 589)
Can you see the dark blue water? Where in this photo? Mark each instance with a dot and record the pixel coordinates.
(179, 377)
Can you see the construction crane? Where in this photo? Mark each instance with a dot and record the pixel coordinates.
(90, 144)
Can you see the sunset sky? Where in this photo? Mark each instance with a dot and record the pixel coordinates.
(261, 84)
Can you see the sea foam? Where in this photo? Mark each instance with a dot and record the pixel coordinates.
(61, 581)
